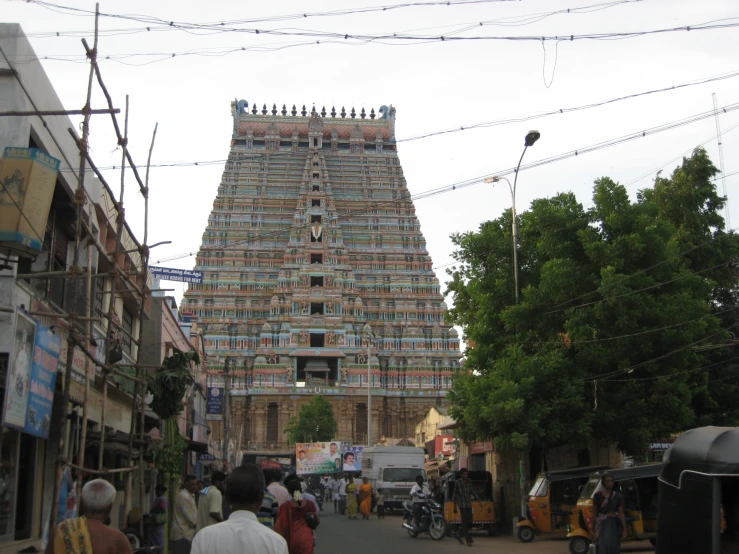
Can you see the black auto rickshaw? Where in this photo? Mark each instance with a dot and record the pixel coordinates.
(638, 485)
(699, 479)
(552, 501)
(483, 507)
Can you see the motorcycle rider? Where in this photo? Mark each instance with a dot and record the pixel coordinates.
(420, 494)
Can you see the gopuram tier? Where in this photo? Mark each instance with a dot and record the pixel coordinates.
(312, 237)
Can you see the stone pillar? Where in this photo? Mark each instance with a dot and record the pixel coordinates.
(260, 431)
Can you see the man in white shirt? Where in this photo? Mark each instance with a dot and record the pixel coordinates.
(342, 496)
(241, 533)
(185, 517)
(272, 476)
(419, 493)
(210, 503)
(333, 486)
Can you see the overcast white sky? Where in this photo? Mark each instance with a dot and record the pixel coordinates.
(433, 86)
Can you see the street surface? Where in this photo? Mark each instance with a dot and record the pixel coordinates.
(338, 535)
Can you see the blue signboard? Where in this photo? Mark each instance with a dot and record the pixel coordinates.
(214, 404)
(46, 351)
(204, 457)
(174, 274)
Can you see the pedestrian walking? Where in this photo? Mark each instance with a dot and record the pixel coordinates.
(342, 496)
(610, 524)
(210, 506)
(365, 498)
(88, 534)
(462, 498)
(242, 532)
(296, 521)
(380, 499)
(185, 517)
(268, 511)
(333, 486)
(273, 476)
(158, 514)
(351, 498)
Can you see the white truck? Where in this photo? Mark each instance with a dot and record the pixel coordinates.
(392, 471)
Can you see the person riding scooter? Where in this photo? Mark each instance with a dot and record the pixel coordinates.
(420, 494)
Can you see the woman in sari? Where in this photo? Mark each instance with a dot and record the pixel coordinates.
(365, 498)
(608, 507)
(351, 498)
(292, 521)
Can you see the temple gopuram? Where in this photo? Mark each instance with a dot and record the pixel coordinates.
(312, 250)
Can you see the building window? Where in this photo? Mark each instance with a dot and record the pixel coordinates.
(273, 424)
(317, 340)
(316, 188)
(315, 202)
(316, 258)
(316, 308)
(316, 281)
(315, 219)
(127, 325)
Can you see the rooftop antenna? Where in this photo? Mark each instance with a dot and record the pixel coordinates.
(721, 161)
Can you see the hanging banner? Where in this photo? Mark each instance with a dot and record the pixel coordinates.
(316, 457)
(28, 176)
(18, 382)
(46, 349)
(214, 406)
(352, 458)
(173, 274)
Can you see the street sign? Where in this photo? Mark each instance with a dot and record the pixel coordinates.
(173, 274)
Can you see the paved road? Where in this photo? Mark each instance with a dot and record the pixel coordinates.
(338, 535)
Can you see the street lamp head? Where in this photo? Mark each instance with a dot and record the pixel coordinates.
(532, 137)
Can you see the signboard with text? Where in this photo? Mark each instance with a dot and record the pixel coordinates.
(174, 274)
(214, 406)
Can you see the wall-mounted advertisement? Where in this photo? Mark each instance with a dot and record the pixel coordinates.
(29, 391)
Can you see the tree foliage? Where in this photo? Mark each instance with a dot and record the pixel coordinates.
(170, 383)
(623, 326)
(314, 422)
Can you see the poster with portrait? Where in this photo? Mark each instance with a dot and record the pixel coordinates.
(18, 382)
(317, 457)
(351, 458)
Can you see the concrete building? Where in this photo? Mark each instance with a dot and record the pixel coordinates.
(429, 427)
(27, 463)
(312, 238)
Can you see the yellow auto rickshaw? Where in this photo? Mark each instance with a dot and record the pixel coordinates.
(552, 501)
(639, 488)
(483, 507)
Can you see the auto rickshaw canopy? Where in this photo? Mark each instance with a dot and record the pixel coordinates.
(705, 451)
(572, 473)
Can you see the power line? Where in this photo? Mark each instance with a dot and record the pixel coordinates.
(642, 379)
(545, 161)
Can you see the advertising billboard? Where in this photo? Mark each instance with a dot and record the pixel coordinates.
(18, 383)
(351, 458)
(317, 457)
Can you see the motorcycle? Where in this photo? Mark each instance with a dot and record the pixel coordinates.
(432, 520)
(319, 498)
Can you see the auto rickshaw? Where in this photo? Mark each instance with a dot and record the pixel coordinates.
(638, 485)
(552, 502)
(483, 508)
(699, 480)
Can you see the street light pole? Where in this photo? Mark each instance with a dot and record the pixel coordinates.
(368, 334)
(530, 139)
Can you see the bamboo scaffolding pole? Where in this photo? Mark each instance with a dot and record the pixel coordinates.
(79, 197)
(86, 395)
(116, 258)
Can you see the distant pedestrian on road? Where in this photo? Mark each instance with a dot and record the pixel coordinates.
(462, 497)
(210, 506)
(88, 533)
(158, 514)
(351, 498)
(273, 476)
(185, 517)
(610, 525)
(296, 520)
(342, 496)
(333, 487)
(242, 533)
(365, 498)
(380, 499)
(268, 511)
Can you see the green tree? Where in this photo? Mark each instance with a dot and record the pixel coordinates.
(315, 422)
(622, 307)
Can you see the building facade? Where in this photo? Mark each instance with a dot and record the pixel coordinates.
(312, 237)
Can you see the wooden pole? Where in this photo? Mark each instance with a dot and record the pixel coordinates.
(79, 198)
